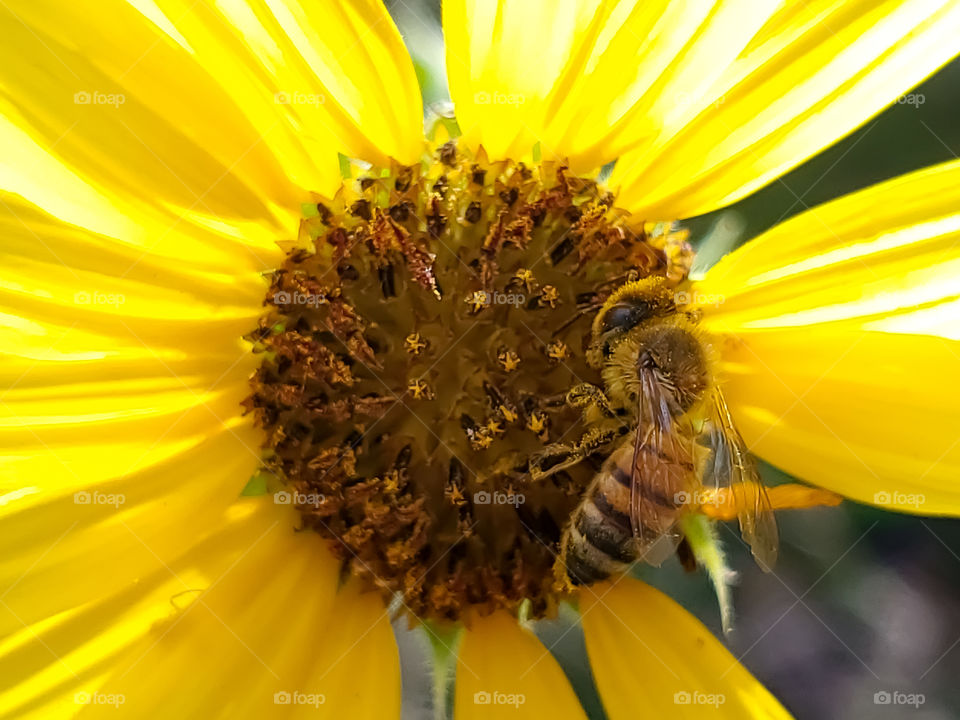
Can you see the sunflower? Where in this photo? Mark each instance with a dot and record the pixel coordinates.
(212, 210)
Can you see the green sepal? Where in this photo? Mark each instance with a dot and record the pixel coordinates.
(444, 640)
(256, 485)
(701, 534)
(346, 172)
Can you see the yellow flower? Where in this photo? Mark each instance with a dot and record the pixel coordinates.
(156, 152)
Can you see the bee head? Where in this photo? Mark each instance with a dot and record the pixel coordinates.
(675, 354)
(629, 306)
(679, 360)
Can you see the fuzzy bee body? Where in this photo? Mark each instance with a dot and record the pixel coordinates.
(599, 541)
(673, 457)
(658, 419)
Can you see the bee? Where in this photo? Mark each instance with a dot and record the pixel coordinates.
(671, 446)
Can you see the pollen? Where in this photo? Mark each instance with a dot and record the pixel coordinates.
(550, 296)
(493, 427)
(537, 424)
(558, 350)
(508, 360)
(477, 300)
(481, 440)
(414, 344)
(419, 390)
(525, 278)
(417, 347)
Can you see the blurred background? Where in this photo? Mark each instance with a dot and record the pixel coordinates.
(862, 601)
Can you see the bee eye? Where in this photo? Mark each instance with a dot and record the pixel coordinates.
(624, 317)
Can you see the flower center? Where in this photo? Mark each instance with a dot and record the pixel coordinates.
(418, 345)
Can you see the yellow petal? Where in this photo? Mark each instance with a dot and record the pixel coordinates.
(115, 281)
(813, 73)
(123, 374)
(503, 60)
(214, 632)
(649, 653)
(843, 339)
(226, 110)
(116, 360)
(60, 525)
(148, 169)
(504, 672)
(355, 665)
(587, 80)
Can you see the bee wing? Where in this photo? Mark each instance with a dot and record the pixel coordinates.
(659, 471)
(733, 467)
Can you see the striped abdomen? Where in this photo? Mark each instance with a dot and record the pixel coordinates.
(598, 542)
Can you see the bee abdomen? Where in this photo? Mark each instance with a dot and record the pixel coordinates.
(612, 539)
(668, 458)
(653, 494)
(612, 496)
(598, 542)
(584, 562)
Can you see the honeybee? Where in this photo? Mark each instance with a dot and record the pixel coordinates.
(673, 449)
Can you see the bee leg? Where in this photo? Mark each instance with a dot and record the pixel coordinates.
(586, 395)
(552, 459)
(560, 456)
